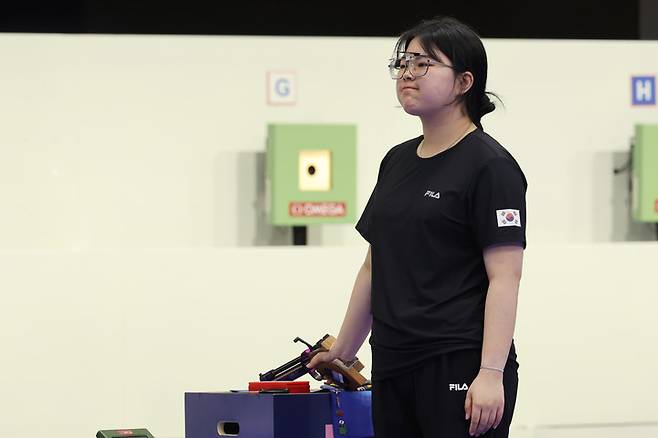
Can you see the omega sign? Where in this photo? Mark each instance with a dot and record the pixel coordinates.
(317, 209)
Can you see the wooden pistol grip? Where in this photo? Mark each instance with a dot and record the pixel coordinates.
(328, 342)
(352, 373)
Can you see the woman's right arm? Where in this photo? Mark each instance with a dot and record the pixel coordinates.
(357, 321)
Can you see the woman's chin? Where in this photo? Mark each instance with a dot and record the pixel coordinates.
(412, 110)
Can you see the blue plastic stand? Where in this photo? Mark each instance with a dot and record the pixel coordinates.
(254, 415)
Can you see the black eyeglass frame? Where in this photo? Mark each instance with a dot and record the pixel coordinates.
(410, 57)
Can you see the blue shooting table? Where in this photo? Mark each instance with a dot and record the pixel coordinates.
(278, 415)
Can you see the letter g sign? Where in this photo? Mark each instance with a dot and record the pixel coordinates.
(281, 88)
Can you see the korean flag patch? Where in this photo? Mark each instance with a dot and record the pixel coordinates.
(508, 218)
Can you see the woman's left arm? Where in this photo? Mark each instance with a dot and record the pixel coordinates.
(485, 399)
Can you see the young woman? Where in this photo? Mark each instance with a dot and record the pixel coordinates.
(446, 227)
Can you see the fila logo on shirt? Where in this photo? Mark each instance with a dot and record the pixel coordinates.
(431, 194)
(458, 387)
(508, 218)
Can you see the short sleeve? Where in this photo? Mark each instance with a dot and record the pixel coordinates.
(364, 224)
(498, 205)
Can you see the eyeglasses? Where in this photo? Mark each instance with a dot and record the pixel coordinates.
(416, 63)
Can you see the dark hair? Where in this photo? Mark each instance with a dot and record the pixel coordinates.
(463, 46)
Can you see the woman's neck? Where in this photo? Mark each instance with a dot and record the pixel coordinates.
(442, 131)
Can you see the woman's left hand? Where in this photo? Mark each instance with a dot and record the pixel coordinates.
(485, 401)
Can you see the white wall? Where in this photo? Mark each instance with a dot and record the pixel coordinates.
(127, 178)
(108, 338)
(131, 142)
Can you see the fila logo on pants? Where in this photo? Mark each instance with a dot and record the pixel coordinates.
(458, 387)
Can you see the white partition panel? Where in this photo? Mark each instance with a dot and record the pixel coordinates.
(111, 338)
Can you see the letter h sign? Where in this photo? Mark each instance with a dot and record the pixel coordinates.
(643, 90)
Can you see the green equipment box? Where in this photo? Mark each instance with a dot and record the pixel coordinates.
(645, 174)
(311, 174)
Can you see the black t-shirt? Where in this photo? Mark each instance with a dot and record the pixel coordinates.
(428, 221)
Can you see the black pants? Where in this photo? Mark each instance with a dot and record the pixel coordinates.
(428, 402)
